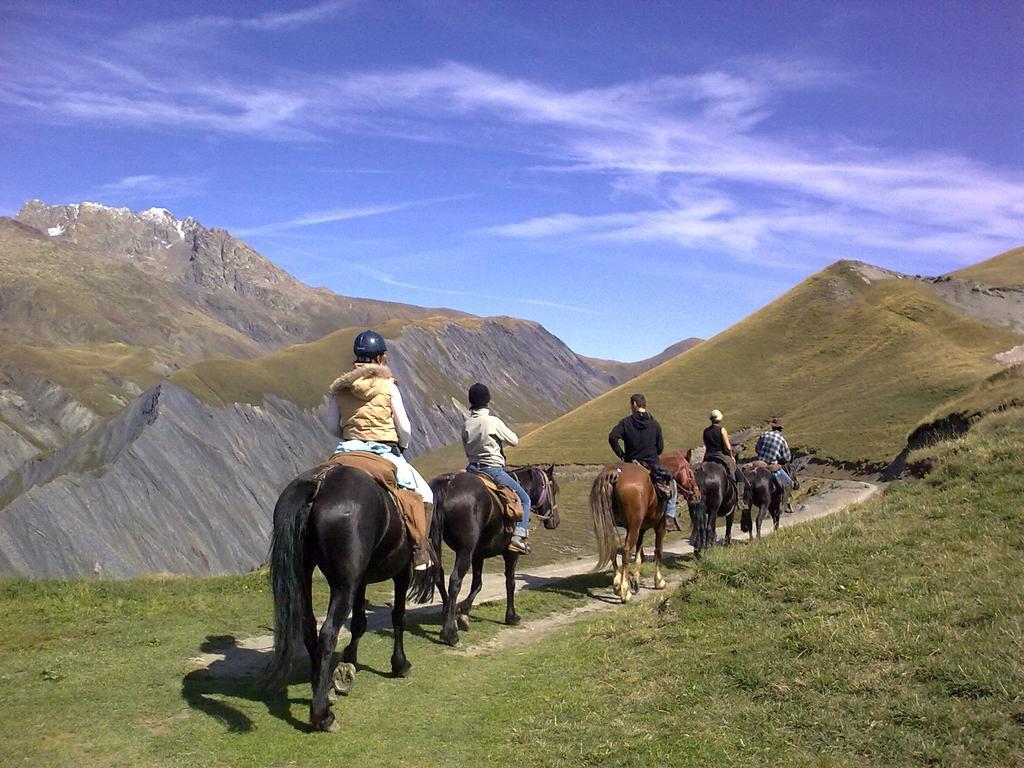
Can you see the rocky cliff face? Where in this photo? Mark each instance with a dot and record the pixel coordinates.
(168, 485)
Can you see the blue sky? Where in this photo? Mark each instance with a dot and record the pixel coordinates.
(627, 174)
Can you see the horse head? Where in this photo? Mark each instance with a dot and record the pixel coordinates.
(547, 503)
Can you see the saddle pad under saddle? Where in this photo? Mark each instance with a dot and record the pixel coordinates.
(410, 503)
(508, 500)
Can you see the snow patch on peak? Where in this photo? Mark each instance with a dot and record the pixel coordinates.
(55, 231)
(156, 214)
(100, 207)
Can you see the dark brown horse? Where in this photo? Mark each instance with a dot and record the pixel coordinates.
(467, 517)
(764, 491)
(343, 522)
(717, 497)
(623, 495)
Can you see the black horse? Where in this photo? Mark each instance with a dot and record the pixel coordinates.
(469, 519)
(717, 497)
(766, 492)
(343, 522)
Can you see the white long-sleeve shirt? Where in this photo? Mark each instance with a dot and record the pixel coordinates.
(402, 424)
(483, 437)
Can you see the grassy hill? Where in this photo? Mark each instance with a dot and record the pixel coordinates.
(886, 635)
(852, 358)
(1004, 270)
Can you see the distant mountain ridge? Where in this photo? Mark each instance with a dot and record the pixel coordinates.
(214, 272)
(619, 373)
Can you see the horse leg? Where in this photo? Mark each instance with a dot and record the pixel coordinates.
(627, 560)
(358, 626)
(511, 617)
(617, 577)
(728, 528)
(450, 631)
(638, 561)
(400, 665)
(320, 715)
(659, 540)
(309, 625)
(760, 518)
(345, 673)
(474, 589)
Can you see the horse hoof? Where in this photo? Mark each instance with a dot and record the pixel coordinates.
(344, 678)
(616, 582)
(329, 724)
(402, 670)
(660, 584)
(450, 638)
(512, 619)
(625, 597)
(463, 621)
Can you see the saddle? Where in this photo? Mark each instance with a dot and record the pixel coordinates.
(758, 464)
(508, 501)
(410, 503)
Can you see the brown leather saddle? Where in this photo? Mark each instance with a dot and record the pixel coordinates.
(507, 499)
(410, 503)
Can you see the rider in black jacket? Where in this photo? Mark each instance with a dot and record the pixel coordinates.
(641, 434)
(644, 444)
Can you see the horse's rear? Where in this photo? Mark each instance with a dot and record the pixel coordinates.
(623, 495)
(761, 492)
(468, 519)
(344, 523)
(717, 497)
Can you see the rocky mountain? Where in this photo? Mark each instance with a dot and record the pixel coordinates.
(160, 382)
(209, 270)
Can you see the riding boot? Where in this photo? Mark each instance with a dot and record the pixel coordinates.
(420, 551)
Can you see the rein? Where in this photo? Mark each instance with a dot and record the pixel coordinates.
(545, 494)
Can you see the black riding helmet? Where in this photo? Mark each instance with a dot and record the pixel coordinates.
(368, 345)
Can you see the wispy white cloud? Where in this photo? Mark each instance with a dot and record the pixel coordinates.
(152, 185)
(274, 20)
(707, 131)
(340, 214)
(388, 279)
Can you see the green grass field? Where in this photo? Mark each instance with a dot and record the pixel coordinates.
(891, 634)
(852, 364)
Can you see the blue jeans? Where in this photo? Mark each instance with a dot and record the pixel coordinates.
(784, 477)
(670, 505)
(501, 477)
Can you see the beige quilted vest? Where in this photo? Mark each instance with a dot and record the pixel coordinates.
(364, 404)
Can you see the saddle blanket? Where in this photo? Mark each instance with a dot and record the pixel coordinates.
(508, 500)
(377, 466)
(403, 470)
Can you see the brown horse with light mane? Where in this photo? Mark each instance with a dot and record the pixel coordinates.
(623, 495)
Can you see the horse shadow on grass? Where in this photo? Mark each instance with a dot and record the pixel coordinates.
(239, 673)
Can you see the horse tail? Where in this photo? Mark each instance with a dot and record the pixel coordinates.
(601, 510)
(292, 603)
(423, 582)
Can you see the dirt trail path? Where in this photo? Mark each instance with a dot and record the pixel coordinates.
(249, 654)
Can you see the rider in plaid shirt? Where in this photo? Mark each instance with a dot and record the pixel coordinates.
(772, 448)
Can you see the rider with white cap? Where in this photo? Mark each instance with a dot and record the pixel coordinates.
(718, 448)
